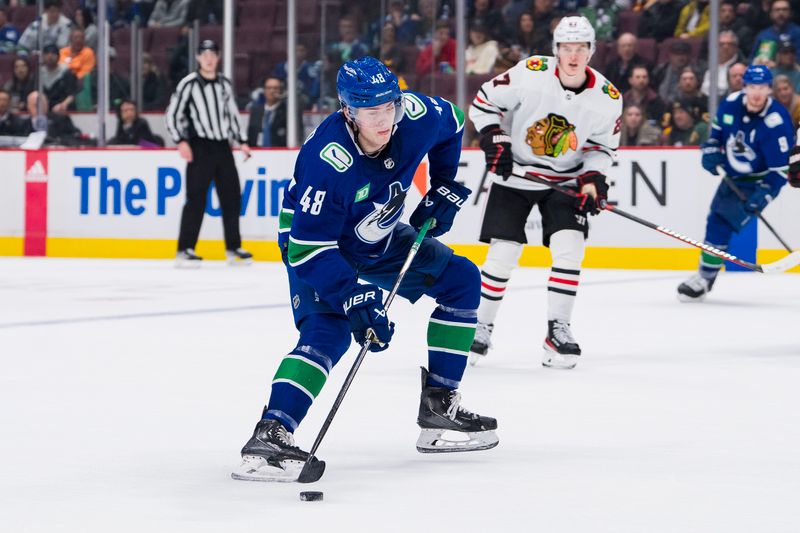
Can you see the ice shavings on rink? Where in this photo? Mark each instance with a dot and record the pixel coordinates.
(128, 388)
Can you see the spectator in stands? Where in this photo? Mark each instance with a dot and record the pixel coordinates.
(426, 22)
(205, 11)
(481, 53)
(119, 87)
(523, 45)
(668, 74)
(685, 128)
(635, 130)
(694, 20)
(10, 123)
(690, 94)
(603, 15)
(55, 28)
(59, 127)
(84, 20)
(660, 19)
(59, 83)
(268, 114)
(755, 13)
(728, 55)
(154, 85)
(785, 93)
(786, 64)
(21, 84)
(349, 46)
(133, 129)
(440, 54)
(405, 26)
(168, 14)
(483, 13)
(728, 21)
(389, 52)
(9, 34)
(641, 94)
(619, 70)
(307, 75)
(736, 78)
(78, 57)
(782, 30)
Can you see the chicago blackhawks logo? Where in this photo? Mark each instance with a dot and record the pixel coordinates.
(552, 136)
(611, 91)
(382, 220)
(536, 63)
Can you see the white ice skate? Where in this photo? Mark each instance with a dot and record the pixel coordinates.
(481, 343)
(694, 289)
(188, 259)
(560, 348)
(239, 257)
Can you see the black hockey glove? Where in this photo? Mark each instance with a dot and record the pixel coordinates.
(442, 203)
(794, 166)
(586, 202)
(364, 308)
(496, 146)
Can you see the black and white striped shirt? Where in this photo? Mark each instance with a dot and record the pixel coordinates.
(204, 108)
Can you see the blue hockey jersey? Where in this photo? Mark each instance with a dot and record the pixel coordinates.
(756, 145)
(342, 206)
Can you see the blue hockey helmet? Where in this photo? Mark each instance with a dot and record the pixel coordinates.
(757, 75)
(366, 82)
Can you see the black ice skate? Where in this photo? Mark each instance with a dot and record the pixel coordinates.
(270, 455)
(188, 259)
(448, 427)
(695, 288)
(481, 343)
(239, 256)
(560, 348)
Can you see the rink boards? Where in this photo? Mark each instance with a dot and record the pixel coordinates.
(127, 204)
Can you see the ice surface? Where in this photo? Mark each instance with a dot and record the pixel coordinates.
(127, 389)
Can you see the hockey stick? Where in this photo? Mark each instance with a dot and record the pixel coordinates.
(738, 192)
(781, 265)
(313, 469)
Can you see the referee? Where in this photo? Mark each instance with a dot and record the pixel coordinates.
(203, 121)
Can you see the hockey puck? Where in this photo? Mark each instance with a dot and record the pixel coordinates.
(311, 496)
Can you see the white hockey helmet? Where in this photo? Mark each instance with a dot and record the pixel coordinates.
(575, 29)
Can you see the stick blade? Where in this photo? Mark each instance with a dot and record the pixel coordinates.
(782, 265)
(312, 471)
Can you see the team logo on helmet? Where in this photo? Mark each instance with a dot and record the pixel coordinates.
(552, 136)
(611, 91)
(536, 63)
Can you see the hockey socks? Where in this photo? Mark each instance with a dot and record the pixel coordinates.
(562, 286)
(710, 265)
(297, 382)
(496, 271)
(450, 334)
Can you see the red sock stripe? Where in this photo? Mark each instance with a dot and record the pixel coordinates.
(492, 288)
(565, 281)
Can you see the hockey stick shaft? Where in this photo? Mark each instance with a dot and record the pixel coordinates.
(738, 192)
(306, 474)
(666, 231)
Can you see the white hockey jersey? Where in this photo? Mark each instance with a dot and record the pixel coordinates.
(555, 133)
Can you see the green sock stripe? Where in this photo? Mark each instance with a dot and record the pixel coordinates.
(450, 337)
(302, 373)
(709, 259)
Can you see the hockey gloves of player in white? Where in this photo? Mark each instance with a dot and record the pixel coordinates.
(442, 203)
(794, 166)
(364, 308)
(759, 198)
(592, 193)
(496, 145)
(713, 155)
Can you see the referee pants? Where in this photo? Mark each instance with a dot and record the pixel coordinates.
(212, 160)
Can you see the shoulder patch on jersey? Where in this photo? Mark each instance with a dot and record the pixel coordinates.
(536, 63)
(458, 115)
(773, 119)
(414, 106)
(732, 97)
(727, 119)
(611, 91)
(336, 156)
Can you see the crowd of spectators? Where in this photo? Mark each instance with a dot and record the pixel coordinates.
(665, 93)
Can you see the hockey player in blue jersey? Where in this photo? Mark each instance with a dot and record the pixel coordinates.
(750, 141)
(339, 223)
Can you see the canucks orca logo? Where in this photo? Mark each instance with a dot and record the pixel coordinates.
(380, 222)
(740, 154)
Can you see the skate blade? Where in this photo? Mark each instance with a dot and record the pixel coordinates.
(188, 265)
(255, 468)
(240, 262)
(685, 298)
(447, 441)
(474, 358)
(552, 359)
